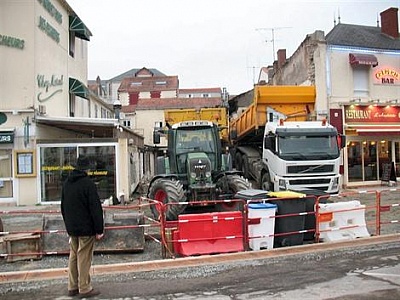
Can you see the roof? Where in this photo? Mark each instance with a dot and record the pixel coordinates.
(155, 83)
(132, 73)
(200, 90)
(362, 37)
(172, 103)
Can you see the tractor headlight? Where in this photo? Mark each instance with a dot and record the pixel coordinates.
(208, 174)
(193, 175)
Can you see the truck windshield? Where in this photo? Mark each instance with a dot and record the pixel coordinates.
(302, 147)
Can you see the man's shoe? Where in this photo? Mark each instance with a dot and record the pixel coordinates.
(72, 293)
(90, 294)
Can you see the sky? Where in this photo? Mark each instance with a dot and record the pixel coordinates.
(209, 43)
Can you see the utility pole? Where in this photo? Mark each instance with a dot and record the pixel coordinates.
(272, 29)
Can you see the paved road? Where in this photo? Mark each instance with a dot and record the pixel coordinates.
(359, 272)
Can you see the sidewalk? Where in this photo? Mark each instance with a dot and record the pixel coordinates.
(184, 262)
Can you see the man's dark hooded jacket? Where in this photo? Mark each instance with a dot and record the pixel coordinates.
(80, 205)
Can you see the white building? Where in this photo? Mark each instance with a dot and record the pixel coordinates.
(47, 114)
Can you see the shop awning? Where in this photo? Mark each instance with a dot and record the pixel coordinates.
(78, 88)
(363, 59)
(81, 31)
(377, 130)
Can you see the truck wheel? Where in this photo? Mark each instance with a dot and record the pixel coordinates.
(266, 184)
(238, 161)
(245, 166)
(167, 192)
(234, 183)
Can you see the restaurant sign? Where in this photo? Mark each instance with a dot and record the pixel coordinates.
(371, 114)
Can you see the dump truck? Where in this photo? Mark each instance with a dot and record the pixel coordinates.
(277, 142)
(196, 170)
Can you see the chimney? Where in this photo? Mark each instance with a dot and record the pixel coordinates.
(390, 22)
(281, 57)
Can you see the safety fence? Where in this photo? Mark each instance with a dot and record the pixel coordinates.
(208, 227)
(32, 233)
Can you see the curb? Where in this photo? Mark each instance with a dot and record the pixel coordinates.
(184, 262)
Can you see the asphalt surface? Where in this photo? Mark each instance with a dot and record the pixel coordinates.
(367, 268)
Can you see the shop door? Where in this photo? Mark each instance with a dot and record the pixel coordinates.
(6, 177)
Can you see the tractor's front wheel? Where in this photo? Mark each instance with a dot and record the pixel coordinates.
(169, 192)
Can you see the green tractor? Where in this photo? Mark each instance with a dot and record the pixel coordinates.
(195, 171)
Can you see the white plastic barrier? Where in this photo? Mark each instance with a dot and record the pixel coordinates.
(342, 221)
(261, 225)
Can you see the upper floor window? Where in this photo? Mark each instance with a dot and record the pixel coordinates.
(127, 123)
(77, 29)
(71, 105)
(133, 98)
(361, 81)
(155, 94)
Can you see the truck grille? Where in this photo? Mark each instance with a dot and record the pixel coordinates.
(310, 169)
(309, 181)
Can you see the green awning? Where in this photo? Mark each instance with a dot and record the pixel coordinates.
(80, 29)
(78, 88)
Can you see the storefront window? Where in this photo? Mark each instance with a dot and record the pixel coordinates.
(6, 190)
(102, 160)
(370, 160)
(56, 162)
(355, 163)
(397, 157)
(384, 155)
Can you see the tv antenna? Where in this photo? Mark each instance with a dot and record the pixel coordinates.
(272, 29)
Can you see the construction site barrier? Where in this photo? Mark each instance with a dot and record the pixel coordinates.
(369, 201)
(388, 211)
(206, 232)
(246, 227)
(342, 221)
(40, 232)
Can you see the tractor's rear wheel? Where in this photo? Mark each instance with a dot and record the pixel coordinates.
(234, 184)
(169, 192)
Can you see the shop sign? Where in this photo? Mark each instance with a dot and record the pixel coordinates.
(48, 84)
(48, 29)
(52, 10)
(12, 42)
(6, 137)
(387, 76)
(371, 114)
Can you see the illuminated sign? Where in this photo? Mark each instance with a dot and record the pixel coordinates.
(387, 76)
(371, 114)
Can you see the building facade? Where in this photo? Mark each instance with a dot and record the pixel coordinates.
(48, 116)
(356, 72)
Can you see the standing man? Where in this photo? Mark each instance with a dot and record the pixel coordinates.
(83, 217)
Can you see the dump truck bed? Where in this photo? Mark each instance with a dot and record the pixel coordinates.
(217, 115)
(295, 102)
